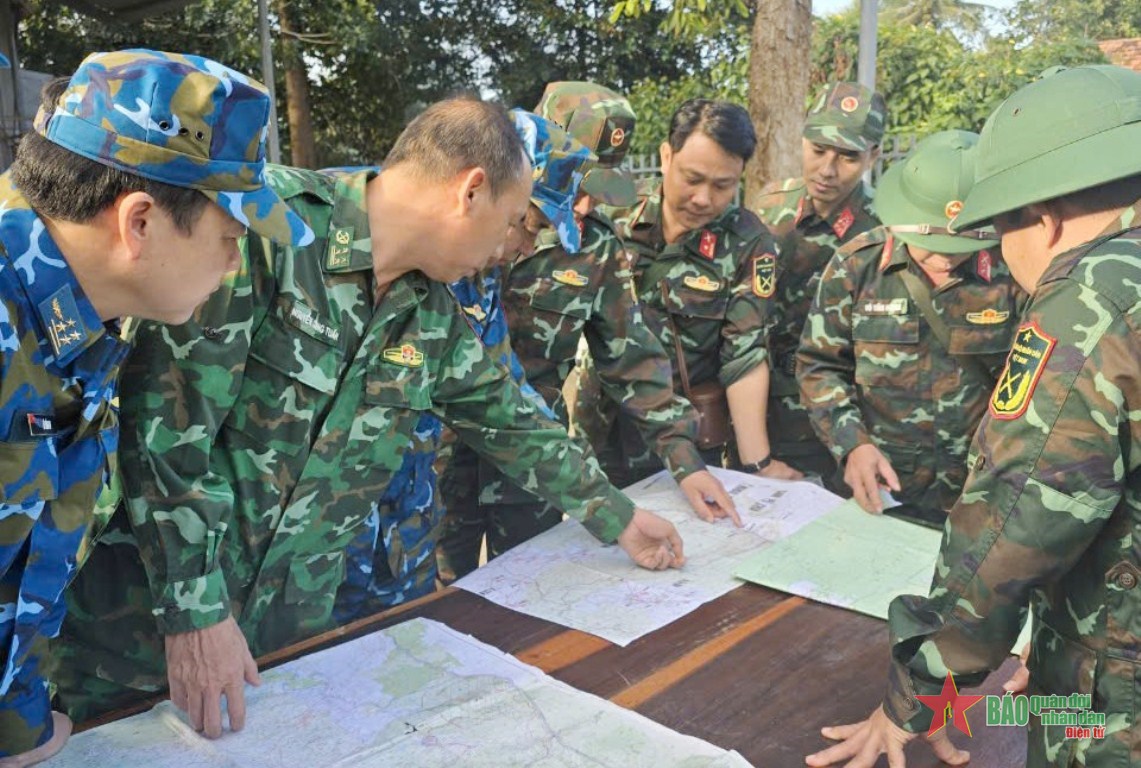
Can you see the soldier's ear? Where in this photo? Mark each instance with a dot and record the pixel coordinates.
(134, 218)
(472, 188)
(665, 152)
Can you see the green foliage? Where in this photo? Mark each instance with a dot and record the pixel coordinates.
(1069, 20)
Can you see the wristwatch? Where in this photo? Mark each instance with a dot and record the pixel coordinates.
(757, 466)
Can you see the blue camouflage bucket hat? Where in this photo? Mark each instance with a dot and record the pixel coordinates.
(560, 163)
(181, 120)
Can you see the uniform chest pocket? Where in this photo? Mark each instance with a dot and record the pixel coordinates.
(396, 395)
(569, 296)
(709, 300)
(981, 340)
(29, 474)
(886, 350)
(289, 378)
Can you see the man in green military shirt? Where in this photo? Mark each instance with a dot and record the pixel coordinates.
(259, 434)
(554, 296)
(811, 217)
(906, 336)
(704, 275)
(1051, 510)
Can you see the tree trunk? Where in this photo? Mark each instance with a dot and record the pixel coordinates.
(779, 63)
(302, 148)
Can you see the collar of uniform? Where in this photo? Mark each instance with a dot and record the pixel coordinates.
(68, 322)
(547, 238)
(1130, 218)
(349, 220)
(1062, 264)
(898, 257)
(405, 292)
(645, 221)
(850, 209)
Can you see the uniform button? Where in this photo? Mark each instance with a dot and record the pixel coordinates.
(1126, 580)
(980, 462)
(211, 333)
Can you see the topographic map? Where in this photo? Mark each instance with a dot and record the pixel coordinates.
(565, 575)
(416, 694)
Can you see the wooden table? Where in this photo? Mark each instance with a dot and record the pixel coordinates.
(756, 670)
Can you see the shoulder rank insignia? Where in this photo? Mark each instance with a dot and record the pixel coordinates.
(340, 247)
(765, 275)
(569, 277)
(406, 355)
(702, 283)
(988, 316)
(844, 222)
(476, 312)
(1024, 366)
(61, 317)
(707, 245)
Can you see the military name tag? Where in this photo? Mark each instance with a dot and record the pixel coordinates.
(340, 247)
(884, 307)
(702, 283)
(765, 275)
(569, 277)
(1024, 366)
(306, 318)
(988, 316)
(406, 355)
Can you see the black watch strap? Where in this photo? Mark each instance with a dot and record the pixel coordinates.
(757, 466)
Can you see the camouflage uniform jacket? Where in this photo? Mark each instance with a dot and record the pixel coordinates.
(58, 437)
(281, 412)
(807, 242)
(718, 285)
(554, 298)
(1050, 515)
(871, 369)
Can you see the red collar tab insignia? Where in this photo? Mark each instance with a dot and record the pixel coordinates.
(849, 104)
(984, 264)
(951, 209)
(617, 136)
(888, 245)
(844, 222)
(579, 223)
(707, 246)
(800, 204)
(406, 355)
(949, 705)
(1024, 366)
(765, 275)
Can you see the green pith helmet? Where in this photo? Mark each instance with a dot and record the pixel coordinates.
(1076, 129)
(917, 198)
(604, 122)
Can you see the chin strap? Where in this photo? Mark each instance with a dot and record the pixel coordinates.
(927, 229)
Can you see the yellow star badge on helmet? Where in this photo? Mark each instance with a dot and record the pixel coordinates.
(569, 277)
(406, 355)
(1024, 366)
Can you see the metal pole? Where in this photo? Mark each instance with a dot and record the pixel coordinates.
(866, 64)
(267, 77)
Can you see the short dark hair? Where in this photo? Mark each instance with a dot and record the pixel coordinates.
(457, 134)
(726, 123)
(1110, 196)
(62, 185)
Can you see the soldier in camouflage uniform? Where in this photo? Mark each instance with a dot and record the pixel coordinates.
(709, 265)
(812, 217)
(310, 369)
(121, 141)
(575, 283)
(413, 492)
(892, 403)
(1051, 510)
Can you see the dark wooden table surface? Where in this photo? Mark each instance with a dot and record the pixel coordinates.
(756, 670)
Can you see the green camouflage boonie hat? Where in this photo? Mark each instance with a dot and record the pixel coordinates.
(558, 164)
(846, 116)
(604, 122)
(917, 198)
(1073, 130)
(178, 119)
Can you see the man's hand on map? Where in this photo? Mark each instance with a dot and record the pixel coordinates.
(778, 470)
(862, 743)
(203, 666)
(652, 542)
(709, 498)
(864, 467)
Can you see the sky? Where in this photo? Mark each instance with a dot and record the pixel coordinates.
(826, 7)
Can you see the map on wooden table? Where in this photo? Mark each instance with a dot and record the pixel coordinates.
(416, 694)
(566, 576)
(853, 560)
